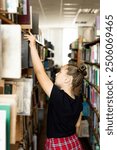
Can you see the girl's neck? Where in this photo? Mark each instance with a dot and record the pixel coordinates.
(69, 92)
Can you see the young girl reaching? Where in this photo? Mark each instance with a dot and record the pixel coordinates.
(64, 108)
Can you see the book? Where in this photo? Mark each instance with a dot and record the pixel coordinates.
(2, 5)
(35, 23)
(11, 100)
(11, 47)
(19, 128)
(8, 88)
(0, 52)
(27, 96)
(1, 86)
(84, 129)
(6, 108)
(25, 53)
(3, 129)
(25, 18)
(11, 6)
(23, 89)
(22, 8)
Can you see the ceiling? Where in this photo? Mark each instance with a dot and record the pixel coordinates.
(65, 13)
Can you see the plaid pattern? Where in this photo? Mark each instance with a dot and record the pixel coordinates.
(65, 143)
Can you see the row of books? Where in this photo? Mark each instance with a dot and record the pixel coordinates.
(16, 91)
(13, 48)
(22, 88)
(14, 6)
(91, 95)
(19, 15)
(91, 53)
(93, 75)
(18, 129)
(94, 131)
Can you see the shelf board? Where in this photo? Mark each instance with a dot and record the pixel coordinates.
(73, 49)
(26, 26)
(3, 12)
(6, 20)
(50, 50)
(87, 44)
(97, 88)
(90, 63)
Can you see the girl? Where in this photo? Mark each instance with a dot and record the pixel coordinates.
(64, 109)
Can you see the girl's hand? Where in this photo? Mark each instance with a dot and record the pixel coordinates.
(30, 37)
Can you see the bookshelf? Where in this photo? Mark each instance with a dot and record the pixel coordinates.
(73, 47)
(91, 88)
(25, 121)
(16, 12)
(88, 52)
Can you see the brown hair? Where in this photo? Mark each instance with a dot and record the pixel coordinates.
(78, 73)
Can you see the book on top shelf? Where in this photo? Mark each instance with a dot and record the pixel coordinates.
(2, 5)
(25, 18)
(22, 7)
(12, 6)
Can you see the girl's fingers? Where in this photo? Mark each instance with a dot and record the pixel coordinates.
(29, 32)
(26, 35)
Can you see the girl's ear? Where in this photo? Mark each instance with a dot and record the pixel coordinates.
(68, 79)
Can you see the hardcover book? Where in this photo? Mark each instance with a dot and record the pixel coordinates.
(11, 60)
(1, 86)
(11, 100)
(6, 108)
(25, 51)
(2, 5)
(0, 52)
(25, 18)
(12, 6)
(3, 129)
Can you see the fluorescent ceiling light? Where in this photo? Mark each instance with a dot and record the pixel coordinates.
(70, 8)
(70, 4)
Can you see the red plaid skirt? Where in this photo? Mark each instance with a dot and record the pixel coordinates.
(65, 143)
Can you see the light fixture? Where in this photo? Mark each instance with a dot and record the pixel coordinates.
(69, 8)
(70, 4)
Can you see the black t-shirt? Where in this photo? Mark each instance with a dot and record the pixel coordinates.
(63, 113)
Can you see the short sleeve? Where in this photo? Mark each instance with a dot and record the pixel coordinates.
(56, 95)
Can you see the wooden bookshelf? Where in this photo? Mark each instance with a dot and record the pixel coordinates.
(87, 44)
(90, 83)
(6, 20)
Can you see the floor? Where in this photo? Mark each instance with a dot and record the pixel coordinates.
(42, 136)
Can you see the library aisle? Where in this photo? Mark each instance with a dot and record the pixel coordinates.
(66, 32)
